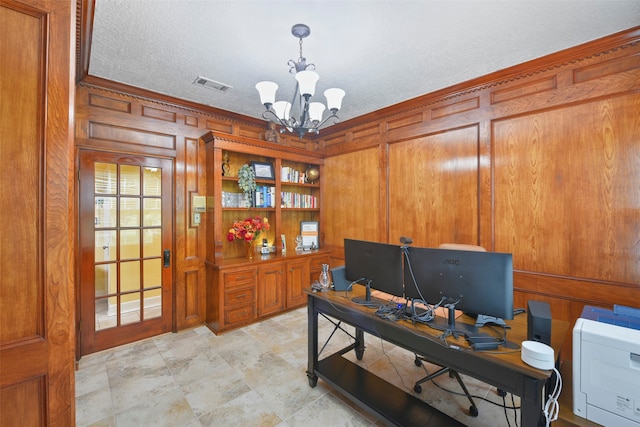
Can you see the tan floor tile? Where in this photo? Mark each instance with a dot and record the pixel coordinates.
(253, 376)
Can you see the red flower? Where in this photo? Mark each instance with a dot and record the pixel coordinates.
(248, 230)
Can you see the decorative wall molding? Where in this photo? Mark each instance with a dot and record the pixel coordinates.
(577, 54)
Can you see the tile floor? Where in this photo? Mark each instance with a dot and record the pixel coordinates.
(254, 376)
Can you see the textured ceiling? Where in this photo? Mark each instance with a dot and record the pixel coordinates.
(380, 52)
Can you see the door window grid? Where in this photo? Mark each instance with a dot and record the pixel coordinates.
(128, 261)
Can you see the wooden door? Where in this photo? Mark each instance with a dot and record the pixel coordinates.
(270, 289)
(125, 217)
(37, 223)
(297, 279)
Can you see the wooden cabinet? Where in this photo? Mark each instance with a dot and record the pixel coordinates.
(298, 277)
(316, 266)
(231, 296)
(241, 290)
(271, 289)
(300, 274)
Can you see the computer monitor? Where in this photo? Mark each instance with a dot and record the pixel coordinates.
(477, 283)
(375, 265)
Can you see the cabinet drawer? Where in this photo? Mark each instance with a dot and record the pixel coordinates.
(236, 278)
(239, 295)
(243, 314)
(316, 262)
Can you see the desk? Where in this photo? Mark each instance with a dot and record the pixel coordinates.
(502, 369)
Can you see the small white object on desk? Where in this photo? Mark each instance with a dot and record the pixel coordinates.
(537, 354)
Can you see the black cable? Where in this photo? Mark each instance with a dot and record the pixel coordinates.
(472, 395)
(392, 311)
(515, 414)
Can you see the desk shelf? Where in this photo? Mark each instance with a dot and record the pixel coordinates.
(377, 396)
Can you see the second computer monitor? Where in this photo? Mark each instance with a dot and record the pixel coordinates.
(478, 282)
(377, 263)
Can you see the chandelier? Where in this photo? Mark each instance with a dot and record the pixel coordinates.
(300, 116)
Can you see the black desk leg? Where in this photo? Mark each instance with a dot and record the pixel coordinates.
(312, 333)
(359, 344)
(531, 414)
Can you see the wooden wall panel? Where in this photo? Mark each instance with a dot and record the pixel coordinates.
(555, 147)
(37, 233)
(190, 241)
(567, 190)
(351, 206)
(192, 300)
(23, 403)
(22, 287)
(433, 188)
(455, 108)
(110, 132)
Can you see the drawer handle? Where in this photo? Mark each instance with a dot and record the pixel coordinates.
(241, 295)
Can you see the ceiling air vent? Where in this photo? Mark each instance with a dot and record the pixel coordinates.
(211, 84)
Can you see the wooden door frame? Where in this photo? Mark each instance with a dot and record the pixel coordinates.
(170, 326)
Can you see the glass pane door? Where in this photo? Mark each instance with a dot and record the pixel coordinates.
(125, 231)
(128, 244)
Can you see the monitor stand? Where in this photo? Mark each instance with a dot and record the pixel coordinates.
(368, 300)
(482, 320)
(449, 324)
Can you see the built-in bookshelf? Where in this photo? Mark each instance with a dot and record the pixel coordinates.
(241, 290)
(286, 198)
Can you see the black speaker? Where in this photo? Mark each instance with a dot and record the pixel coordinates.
(340, 282)
(539, 322)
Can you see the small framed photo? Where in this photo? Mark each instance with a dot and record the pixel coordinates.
(263, 170)
(309, 233)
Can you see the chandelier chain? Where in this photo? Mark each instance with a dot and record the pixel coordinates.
(300, 58)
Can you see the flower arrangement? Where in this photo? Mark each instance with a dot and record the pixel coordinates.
(248, 230)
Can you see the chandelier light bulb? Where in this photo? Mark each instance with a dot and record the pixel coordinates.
(282, 109)
(334, 98)
(307, 81)
(267, 91)
(315, 110)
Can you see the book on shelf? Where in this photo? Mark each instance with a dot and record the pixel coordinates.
(264, 197)
(296, 200)
(288, 174)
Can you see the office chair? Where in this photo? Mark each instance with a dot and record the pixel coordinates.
(473, 409)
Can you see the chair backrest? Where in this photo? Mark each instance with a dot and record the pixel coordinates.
(462, 247)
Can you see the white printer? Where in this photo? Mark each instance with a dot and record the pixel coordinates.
(606, 366)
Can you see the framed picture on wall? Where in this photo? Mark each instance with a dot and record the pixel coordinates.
(263, 170)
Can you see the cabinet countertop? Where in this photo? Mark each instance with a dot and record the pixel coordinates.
(259, 259)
